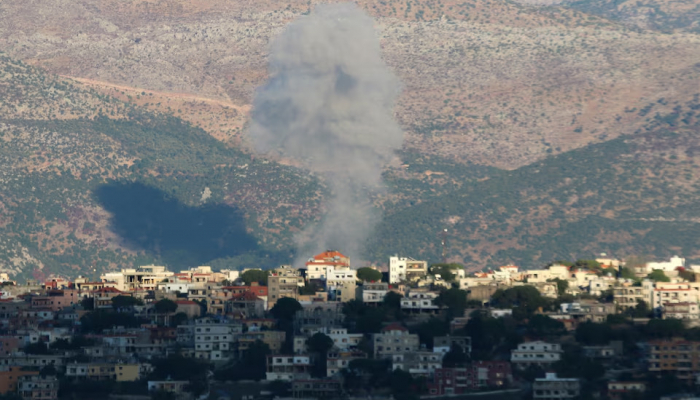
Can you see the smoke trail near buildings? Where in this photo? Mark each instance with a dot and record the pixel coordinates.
(328, 103)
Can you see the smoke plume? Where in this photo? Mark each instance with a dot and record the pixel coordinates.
(328, 103)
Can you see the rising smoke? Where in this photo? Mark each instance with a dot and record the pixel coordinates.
(328, 103)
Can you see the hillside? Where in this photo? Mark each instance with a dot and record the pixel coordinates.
(491, 82)
(88, 183)
(636, 194)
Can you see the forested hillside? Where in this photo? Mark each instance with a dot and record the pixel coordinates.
(638, 194)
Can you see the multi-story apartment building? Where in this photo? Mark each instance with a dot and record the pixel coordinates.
(420, 302)
(214, 339)
(342, 340)
(624, 389)
(535, 353)
(145, 277)
(454, 381)
(584, 310)
(417, 362)
(10, 376)
(35, 387)
(629, 296)
(443, 344)
(337, 361)
(372, 293)
(273, 339)
(288, 367)
(677, 356)
(283, 282)
(406, 269)
(552, 387)
(685, 311)
(394, 339)
(317, 266)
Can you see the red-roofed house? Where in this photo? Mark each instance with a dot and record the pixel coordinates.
(316, 266)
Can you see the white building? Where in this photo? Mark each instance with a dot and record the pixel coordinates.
(288, 368)
(552, 387)
(420, 302)
(417, 362)
(342, 340)
(145, 277)
(317, 265)
(535, 353)
(406, 269)
(666, 266)
(373, 292)
(394, 339)
(214, 340)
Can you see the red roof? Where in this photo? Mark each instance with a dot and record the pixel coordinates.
(245, 296)
(186, 302)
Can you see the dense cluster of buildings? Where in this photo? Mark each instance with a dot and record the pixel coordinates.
(218, 317)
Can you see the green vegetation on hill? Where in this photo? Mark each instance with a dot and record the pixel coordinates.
(108, 185)
(631, 195)
(662, 15)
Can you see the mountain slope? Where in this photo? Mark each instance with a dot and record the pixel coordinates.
(89, 183)
(638, 194)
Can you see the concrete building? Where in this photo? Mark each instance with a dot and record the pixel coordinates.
(288, 367)
(406, 269)
(687, 311)
(443, 344)
(283, 282)
(623, 389)
(677, 356)
(35, 387)
(214, 339)
(535, 353)
(417, 362)
(629, 296)
(10, 376)
(273, 339)
(420, 302)
(394, 339)
(552, 387)
(317, 266)
(145, 277)
(372, 293)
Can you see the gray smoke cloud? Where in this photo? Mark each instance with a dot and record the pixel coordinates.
(329, 104)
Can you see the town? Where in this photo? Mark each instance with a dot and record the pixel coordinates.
(588, 329)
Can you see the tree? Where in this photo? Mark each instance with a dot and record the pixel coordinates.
(178, 319)
(392, 301)
(562, 286)
(88, 303)
(122, 302)
(591, 334)
(664, 328)
(319, 344)
(589, 264)
(36, 348)
(285, 308)
(445, 270)
(429, 329)
(542, 325)
(367, 274)
(527, 299)
(641, 310)
(627, 273)
(309, 289)
(455, 300)
(658, 275)
(456, 357)
(165, 306)
(255, 275)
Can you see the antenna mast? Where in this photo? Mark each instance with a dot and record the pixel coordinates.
(444, 240)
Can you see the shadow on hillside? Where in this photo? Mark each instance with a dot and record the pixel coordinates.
(180, 235)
